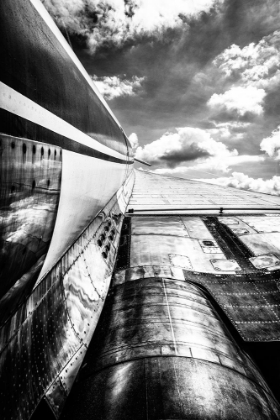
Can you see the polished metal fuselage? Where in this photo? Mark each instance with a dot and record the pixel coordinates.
(64, 167)
(192, 269)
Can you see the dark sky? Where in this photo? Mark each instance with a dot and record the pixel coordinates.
(196, 81)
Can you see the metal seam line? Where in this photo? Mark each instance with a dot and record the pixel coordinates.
(212, 207)
(18, 104)
(169, 316)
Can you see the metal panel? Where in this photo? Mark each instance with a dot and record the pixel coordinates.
(150, 246)
(158, 255)
(166, 226)
(170, 388)
(260, 235)
(262, 224)
(44, 342)
(161, 351)
(166, 194)
(251, 302)
(87, 185)
(143, 311)
(263, 243)
(30, 175)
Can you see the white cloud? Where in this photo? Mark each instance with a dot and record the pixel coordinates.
(113, 87)
(239, 99)
(271, 145)
(115, 21)
(180, 170)
(133, 139)
(240, 180)
(223, 133)
(248, 75)
(256, 64)
(217, 164)
(186, 144)
(192, 149)
(230, 132)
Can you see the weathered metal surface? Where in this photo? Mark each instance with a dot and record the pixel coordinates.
(194, 248)
(147, 271)
(30, 174)
(230, 243)
(161, 351)
(87, 185)
(170, 388)
(63, 156)
(263, 243)
(161, 317)
(44, 342)
(163, 194)
(247, 293)
(251, 302)
(261, 236)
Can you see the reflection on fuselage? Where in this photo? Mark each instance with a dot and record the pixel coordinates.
(30, 190)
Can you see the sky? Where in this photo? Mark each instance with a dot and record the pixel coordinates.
(194, 83)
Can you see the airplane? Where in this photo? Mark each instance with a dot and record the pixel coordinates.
(124, 294)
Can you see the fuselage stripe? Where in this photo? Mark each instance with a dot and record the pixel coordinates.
(18, 104)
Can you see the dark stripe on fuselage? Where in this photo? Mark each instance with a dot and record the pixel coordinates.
(16, 126)
(37, 65)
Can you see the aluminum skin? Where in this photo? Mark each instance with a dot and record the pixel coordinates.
(65, 166)
(190, 327)
(44, 342)
(40, 65)
(161, 350)
(195, 289)
(30, 191)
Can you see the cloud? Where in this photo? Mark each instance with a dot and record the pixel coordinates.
(133, 139)
(242, 181)
(212, 165)
(188, 51)
(218, 164)
(116, 21)
(271, 145)
(249, 79)
(230, 131)
(186, 144)
(256, 64)
(114, 87)
(240, 99)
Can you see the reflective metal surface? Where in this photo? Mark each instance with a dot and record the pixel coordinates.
(248, 293)
(196, 270)
(160, 349)
(61, 85)
(87, 185)
(64, 160)
(152, 244)
(30, 185)
(261, 236)
(162, 194)
(44, 342)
